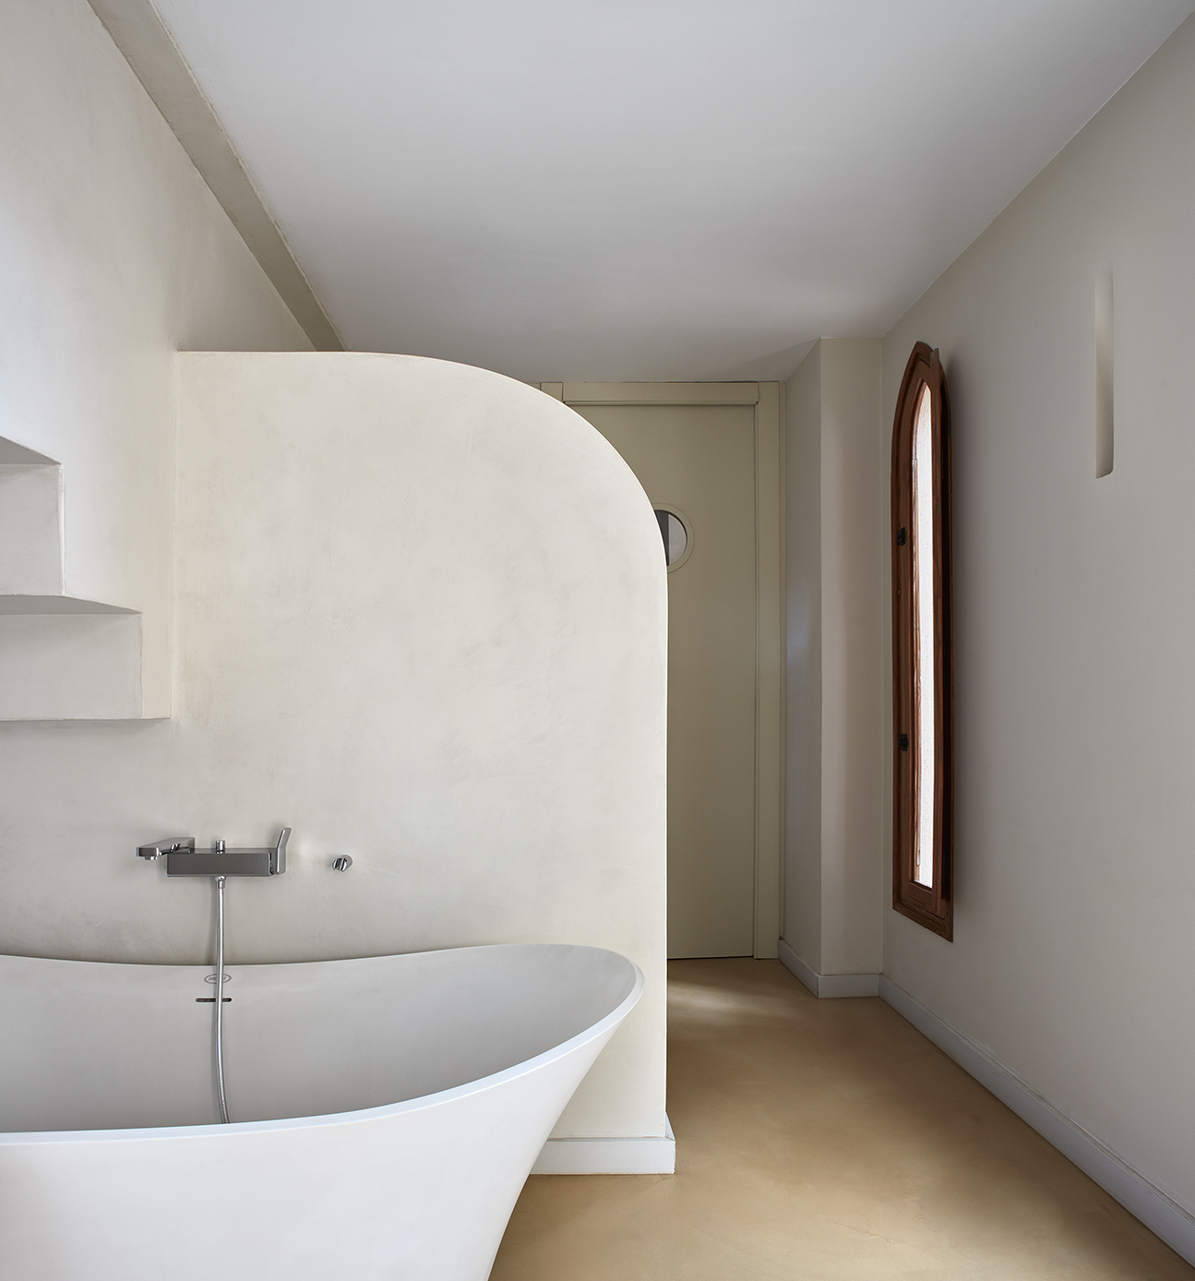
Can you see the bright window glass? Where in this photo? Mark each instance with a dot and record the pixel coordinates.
(923, 635)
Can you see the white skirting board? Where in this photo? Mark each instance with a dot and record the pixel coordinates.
(1162, 1215)
(828, 985)
(609, 1156)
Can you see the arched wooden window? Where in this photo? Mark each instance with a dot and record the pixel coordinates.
(921, 649)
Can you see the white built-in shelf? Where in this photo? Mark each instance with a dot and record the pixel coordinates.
(62, 657)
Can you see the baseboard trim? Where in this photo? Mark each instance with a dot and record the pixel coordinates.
(609, 1156)
(826, 985)
(1159, 1212)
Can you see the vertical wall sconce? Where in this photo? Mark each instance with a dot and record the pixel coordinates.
(1105, 425)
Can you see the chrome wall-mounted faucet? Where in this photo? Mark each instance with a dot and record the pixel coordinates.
(219, 862)
(183, 859)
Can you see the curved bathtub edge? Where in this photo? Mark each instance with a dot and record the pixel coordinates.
(358, 1115)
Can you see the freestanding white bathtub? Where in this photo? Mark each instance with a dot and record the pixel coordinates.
(385, 1111)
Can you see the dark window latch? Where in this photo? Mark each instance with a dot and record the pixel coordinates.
(902, 741)
(902, 536)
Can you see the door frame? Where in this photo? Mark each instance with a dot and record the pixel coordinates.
(764, 398)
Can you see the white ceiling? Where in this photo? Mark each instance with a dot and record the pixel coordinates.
(643, 189)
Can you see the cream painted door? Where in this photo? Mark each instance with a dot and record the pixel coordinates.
(699, 461)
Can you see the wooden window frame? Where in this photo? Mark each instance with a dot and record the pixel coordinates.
(933, 906)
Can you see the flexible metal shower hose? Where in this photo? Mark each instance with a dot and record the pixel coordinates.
(219, 1025)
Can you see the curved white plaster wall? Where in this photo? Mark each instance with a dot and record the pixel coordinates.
(421, 618)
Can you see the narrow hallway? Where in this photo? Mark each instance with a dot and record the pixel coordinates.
(826, 1141)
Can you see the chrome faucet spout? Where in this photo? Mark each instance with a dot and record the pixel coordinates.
(168, 845)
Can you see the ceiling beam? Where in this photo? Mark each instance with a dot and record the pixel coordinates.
(148, 47)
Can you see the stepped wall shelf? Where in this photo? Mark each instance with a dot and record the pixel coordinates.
(62, 657)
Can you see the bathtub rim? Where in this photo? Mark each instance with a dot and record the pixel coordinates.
(482, 1084)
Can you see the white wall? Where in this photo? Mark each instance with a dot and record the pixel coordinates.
(801, 926)
(113, 254)
(422, 619)
(1074, 602)
(836, 521)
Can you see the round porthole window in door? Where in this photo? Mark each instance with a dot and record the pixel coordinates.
(678, 542)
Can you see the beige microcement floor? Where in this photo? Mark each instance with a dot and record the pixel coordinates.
(826, 1141)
